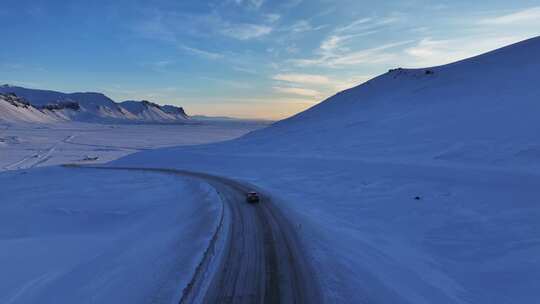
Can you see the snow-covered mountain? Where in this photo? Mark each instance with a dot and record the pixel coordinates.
(15, 109)
(174, 111)
(89, 107)
(148, 111)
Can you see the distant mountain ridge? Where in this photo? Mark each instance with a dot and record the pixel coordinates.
(149, 111)
(87, 107)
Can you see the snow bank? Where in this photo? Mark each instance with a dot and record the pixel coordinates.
(93, 236)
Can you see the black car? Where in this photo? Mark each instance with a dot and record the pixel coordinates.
(252, 197)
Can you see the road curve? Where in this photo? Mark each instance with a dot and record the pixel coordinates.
(255, 255)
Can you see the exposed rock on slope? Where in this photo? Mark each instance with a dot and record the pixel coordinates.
(151, 112)
(16, 109)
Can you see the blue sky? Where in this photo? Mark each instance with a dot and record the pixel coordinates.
(244, 58)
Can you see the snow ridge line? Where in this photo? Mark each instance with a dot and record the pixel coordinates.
(202, 269)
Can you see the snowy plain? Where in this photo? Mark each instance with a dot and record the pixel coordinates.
(24, 146)
(99, 236)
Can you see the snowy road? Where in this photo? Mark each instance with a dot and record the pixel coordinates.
(255, 256)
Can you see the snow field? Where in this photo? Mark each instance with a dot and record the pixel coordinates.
(100, 236)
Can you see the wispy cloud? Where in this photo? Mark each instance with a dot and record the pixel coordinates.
(335, 50)
(12, 66)
(246, 31)
(298, 91)
(158, 65)
(349, 82)
(313, 85)
(303, 78)
(154, 27)
(332, 43)
(335, 57)
(236, 84)
(429, 51)
(524, 17)
(21, 66)
(271, 18)
(323, 84)
(173, 27)
(368, 24)
(301, 26)
(353, 25)
(255, 4)
(290, 4)
(201, 53)
(245, 70)
(170, 26)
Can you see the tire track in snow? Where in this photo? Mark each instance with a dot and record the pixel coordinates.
(41, 157)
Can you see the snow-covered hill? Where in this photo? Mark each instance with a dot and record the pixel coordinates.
(89, 107)
(419, 186)
(483, 109)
